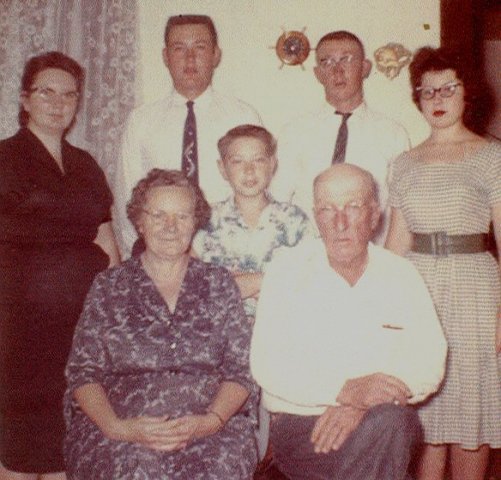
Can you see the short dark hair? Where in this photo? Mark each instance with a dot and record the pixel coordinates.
(254, 131)
(191, 20)
(158, 177)
(39, 63)
(477, 101)
(342, 35)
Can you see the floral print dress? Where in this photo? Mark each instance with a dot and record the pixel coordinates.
(151, 361)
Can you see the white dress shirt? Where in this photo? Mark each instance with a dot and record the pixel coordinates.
(306, 146)
(153, 138)
(314, 331)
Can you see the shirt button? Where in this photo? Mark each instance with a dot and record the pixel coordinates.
(173, 345)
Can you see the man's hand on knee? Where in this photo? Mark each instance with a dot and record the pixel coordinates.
(334, 426)
(372, 390)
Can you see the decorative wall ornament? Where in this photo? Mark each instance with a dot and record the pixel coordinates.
(391, 58)
(292, 48)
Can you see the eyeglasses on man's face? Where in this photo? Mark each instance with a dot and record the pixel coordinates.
(352, 210)
(343, 60)
(445, 91)
(48, 95)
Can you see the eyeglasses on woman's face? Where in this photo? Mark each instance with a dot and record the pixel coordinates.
(50, 96)
(445, 91)
(159, 217)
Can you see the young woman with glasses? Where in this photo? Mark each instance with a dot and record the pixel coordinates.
(444, 194)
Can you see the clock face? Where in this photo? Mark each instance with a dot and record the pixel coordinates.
(292, 48)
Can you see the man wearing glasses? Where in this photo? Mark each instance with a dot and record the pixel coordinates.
(344, 130)
(346, 336)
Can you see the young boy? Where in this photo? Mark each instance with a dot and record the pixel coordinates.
(247, 228)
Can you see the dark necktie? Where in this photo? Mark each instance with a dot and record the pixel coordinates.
(341, 140)
(189, 162)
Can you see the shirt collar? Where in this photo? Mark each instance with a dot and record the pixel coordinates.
(319, 256)
(359, 111)
(201, 102)
(231, 211)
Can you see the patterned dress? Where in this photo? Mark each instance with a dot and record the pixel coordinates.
(229, 242)
(151, 361)
(456, 198)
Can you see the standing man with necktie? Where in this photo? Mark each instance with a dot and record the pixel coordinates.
(344, 130)
(180, 131)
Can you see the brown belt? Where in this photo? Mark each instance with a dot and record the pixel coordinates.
(441, 244)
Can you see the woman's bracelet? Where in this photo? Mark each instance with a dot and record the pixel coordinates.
(219, 417)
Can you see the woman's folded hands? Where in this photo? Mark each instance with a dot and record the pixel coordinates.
(161, 433)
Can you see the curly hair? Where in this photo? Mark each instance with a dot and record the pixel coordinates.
(39, 63)
(476, 95)
(158, 177)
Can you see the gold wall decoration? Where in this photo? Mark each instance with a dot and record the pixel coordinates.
(391, 58)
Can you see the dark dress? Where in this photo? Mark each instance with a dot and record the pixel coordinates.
(154, 362)
(47, 263)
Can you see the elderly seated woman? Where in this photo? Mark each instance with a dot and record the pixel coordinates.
(158, 376)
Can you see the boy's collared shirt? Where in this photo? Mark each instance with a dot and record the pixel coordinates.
(229, 242)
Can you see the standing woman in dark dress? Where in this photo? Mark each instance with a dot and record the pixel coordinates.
(55, 235)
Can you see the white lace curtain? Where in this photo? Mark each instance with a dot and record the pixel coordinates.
(102, 36)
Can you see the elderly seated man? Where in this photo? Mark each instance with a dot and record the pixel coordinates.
(346, 337)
